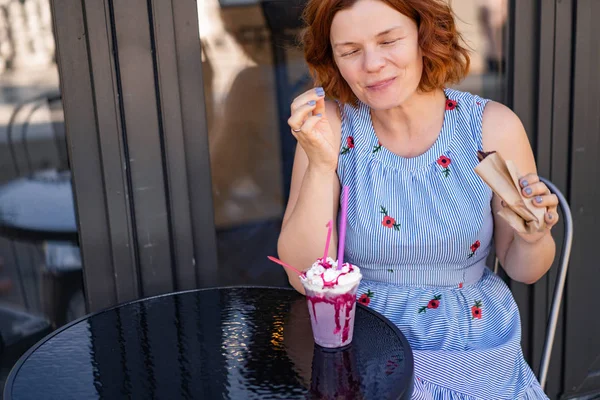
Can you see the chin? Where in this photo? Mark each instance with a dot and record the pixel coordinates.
(392, 97)
(386, 101)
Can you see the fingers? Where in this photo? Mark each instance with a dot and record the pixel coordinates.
(541, 196)
(306, 131)
(301, 114)
(551, 218)
(532, 189)
(313, 94)
(320, 108)
(528, 180)
(549, 200)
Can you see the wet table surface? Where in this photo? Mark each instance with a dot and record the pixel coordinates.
(226, 343)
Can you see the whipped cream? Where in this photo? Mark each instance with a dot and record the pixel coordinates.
(324, 275)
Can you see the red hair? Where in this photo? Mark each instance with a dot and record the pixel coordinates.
(445, 60)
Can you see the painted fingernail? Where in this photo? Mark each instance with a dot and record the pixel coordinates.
(319, 115)
(550, 216)
(528, 191)
(538, 199)
(312, 103)
(320, 92)
(524, 182)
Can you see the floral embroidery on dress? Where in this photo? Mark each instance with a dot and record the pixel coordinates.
(451, 104)
(433, 304)
(349, 145)
(365, 298)
(476, 310)
(474, 248)
(377, 148)
(388, 221)
(444, 162)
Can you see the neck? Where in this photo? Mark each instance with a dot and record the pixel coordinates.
(412, 117)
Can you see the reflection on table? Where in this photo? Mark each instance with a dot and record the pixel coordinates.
(216, 343)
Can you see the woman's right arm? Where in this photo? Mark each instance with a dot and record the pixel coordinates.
(315, 186)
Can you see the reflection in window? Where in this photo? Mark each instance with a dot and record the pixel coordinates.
(41, 280)
(252, 71)
(250, 77)
(483, 25)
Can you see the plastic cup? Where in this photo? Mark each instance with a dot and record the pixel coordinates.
(332, 314)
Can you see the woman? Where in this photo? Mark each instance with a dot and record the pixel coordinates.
(420, 221)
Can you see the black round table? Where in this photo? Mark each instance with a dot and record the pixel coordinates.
(227, 343)
(39, 208)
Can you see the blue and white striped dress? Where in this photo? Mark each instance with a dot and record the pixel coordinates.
(420, 229)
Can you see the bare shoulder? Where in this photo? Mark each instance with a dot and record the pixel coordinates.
(503, 131)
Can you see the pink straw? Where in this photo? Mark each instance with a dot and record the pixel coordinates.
(342, 235)
(330, 227)
(278, 261)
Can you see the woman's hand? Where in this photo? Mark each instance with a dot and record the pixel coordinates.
(533, 188)
(313, 131)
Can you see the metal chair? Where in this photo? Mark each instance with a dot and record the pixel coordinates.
(560, 281)
(60, 276)
(25, 111)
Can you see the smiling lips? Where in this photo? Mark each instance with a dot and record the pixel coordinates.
(381, 84)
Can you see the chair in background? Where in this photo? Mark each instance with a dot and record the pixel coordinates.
(44, 174)
(560, 281)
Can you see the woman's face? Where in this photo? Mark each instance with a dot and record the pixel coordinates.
(377, 51)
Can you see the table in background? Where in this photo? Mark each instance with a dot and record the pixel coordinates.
(239, 342)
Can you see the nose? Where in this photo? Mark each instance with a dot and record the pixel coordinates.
(374, 60)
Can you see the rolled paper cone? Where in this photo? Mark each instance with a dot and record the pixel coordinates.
(503, 178)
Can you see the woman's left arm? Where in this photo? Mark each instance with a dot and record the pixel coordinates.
(524, 257)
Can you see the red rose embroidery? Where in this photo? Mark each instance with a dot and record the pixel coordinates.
(444, 162)
(433, 304)
(350, 142)
(388, 221)
(460, 285)
(451, 104)
(474, 248)
(349, 145)
(365, 298)
(476, 310)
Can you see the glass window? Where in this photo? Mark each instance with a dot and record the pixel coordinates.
(253, 68)
(40, 265)
(483, 25)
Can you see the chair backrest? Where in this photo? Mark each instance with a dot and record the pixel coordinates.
(23, 114)
(560, 281)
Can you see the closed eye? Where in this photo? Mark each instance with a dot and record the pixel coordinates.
(349, 53)
(390, 41)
